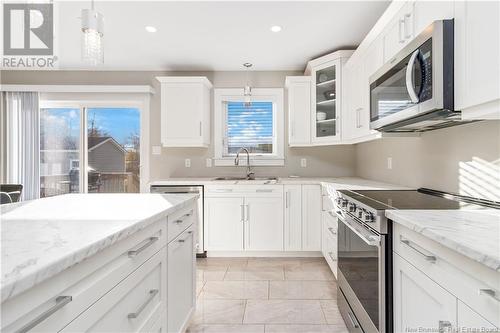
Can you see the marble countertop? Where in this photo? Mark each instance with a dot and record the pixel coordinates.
(344, 183)
(472, 233)
(41, 238)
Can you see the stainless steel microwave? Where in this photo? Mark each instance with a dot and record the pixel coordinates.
(414, 91)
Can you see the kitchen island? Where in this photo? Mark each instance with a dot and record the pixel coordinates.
(106, 262)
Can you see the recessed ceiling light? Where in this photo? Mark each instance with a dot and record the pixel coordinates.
(150, 28)
(275, 28)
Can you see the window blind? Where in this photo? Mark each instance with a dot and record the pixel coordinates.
(249, 127)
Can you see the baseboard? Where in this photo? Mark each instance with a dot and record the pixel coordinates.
(262, 254)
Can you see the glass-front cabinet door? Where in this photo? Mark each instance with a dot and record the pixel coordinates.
(326, 107)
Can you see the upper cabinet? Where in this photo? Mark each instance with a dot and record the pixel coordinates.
(315, 102)
(477, 59)
(299, 110)
(185, 111)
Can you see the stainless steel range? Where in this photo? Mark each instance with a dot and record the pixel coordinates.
(365, 249)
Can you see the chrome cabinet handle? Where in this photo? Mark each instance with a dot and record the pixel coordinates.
(330, 254)
(429, 257)
(287, 199)
(222, 190)
(401, 27)
(152, 294)
(332, 214)
(247, 212)
(409, 79)
(406, 18)
(185, 239)
(260, 190)
(151, 240)
(181, 219)
(353, 320)
(332, 231)
(489, 292)
(200, 128)
(443, 324)
(60, 302)
(242, 213)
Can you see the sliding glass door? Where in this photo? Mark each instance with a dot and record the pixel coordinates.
(59, 151)
(110, 162)
(113, 145)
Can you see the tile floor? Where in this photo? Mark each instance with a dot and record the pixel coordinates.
(257, 295)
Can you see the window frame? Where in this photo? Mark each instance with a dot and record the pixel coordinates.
(223, 95)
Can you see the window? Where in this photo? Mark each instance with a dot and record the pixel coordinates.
(257, 126)
(109, 165)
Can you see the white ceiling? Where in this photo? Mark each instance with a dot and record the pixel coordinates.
(213, 35)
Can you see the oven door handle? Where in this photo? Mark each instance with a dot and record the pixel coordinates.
(367, 236)
(409, 79)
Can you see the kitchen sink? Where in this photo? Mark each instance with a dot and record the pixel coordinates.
(246, 178)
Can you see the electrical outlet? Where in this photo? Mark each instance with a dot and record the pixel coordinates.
(209, 162)
(156, 150)
(389, 163)
(187, 163)
(303, 162)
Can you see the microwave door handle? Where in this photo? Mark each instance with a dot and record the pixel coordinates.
(409, 79)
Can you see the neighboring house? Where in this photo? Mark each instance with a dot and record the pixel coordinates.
(106, 155)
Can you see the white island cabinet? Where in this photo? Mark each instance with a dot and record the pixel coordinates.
(98, 263)
(444, 280)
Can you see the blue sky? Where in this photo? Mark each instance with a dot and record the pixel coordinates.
(117, 122)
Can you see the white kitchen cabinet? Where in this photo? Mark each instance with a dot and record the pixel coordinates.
(426, 12)
(185, 111)
(263, 223)
(326, 97)
(470, 318)
(399, 31)
(293, 218)
(299, 110)
(181, 281)
(311, 218)
(224, 218)
(420, 302)
(132, 306)
(477, 59)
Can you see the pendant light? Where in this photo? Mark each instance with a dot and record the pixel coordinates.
(92, 39)
(247, 90)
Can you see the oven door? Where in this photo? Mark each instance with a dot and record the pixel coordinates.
(361, 265)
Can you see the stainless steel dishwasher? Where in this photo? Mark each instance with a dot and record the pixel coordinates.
(183, 189)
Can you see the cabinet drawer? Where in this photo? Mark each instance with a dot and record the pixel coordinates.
(82, 285)
(133, 305)
(468, 280)
(180, 221)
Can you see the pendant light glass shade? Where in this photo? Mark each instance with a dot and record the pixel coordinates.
(92, 39)
(247, 90)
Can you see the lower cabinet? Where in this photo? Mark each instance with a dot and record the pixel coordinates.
(311, 218)
(181, 280)
(293, 217)
(224, 223)
(420, 302)
(134, 305)
(263, 224)
(246, 220)
(438, 290)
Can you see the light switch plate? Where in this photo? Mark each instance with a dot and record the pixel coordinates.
(303, 162)
(156, 150)
(209, 162)
(389, 163)
(187, 162)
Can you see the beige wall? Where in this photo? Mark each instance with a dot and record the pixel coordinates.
(321, 161)
(463, 159)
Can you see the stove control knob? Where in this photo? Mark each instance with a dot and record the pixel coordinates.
(359, 212)
(368, 217)
(342, 203)
(351, 207)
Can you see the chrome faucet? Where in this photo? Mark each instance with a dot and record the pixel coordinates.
(250, 174)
